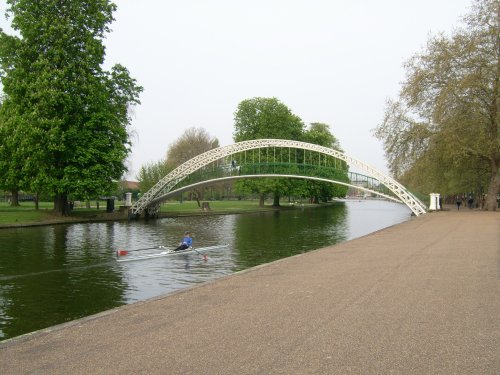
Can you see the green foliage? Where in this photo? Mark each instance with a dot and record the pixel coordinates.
(259, 118)
(24, 217)
(443, 131)
(68, 116)
(151, 173)
(320, 134)
(11, 156)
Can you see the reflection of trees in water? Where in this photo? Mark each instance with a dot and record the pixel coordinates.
(56, 274)
(283, 233)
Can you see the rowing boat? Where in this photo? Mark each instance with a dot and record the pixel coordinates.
(166, 253)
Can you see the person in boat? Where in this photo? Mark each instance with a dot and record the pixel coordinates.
(186, 242)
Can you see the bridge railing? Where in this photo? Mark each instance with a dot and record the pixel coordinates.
(214, 172)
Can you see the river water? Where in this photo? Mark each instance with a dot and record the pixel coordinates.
(53, 274)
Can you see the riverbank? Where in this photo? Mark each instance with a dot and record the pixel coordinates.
(419, 297)
(26, 216)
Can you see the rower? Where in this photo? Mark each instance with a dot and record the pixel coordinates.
(186, 242)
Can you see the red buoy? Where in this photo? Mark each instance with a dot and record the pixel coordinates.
(122, 252)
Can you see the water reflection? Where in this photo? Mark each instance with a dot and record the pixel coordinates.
(54, 274)
(262, 237)
(49, 275)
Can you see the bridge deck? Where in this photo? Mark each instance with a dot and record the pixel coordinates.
(420, 297)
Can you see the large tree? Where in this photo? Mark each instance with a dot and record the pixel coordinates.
(151, 173)
(71, 114)
(259, 118)
(328, 167)
(442, 133)
(11, 160)
(319, 133)
(194, 141)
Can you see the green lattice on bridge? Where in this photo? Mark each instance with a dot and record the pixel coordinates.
(236, 170)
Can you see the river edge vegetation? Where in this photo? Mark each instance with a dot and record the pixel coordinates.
(27, 215)
(442, 132)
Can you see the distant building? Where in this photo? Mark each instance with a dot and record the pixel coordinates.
(129, 185)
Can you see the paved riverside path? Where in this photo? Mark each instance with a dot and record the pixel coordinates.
(421, 297)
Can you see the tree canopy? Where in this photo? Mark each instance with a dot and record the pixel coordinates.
(442, 133)
(259, 118)
(151, 173)
(192, 142)
(65, 116)
(319, 133)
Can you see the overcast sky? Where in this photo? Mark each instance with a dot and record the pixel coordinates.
(329, 61)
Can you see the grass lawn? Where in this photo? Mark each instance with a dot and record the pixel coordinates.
(27, 214)
(215, 206)
(23, 216)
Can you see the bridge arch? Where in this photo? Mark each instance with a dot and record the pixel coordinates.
(165, 187)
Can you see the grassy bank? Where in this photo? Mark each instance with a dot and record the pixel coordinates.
(191, 207)
(26, 214)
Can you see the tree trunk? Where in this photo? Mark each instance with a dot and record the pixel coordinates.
(201, 194)
(494, 187)
(14, 201)
(61, 205)
(37, 200)
(261, 200)
(196, 196)
(276, 200)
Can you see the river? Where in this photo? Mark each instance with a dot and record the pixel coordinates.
(57, 273)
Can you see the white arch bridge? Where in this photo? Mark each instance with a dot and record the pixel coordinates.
(273, 158)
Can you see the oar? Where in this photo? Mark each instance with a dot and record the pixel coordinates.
(125, 252)
(205, 258)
